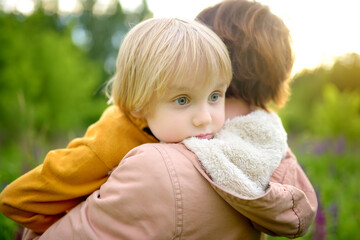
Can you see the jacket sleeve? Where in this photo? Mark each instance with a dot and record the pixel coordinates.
(123, 208)
(43, 195)
(288, 207)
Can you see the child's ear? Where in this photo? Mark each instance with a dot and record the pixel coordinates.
(137, 114)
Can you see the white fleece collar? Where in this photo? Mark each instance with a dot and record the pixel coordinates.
(244, 154)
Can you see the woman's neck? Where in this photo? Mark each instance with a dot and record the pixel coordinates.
(236, 107)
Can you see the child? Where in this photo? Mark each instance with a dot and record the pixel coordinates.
(145, 65)
(160, 191)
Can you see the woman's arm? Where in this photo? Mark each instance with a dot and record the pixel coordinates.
(127, 206)
(288, 207)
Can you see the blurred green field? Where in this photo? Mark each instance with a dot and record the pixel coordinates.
(333, 167)
(51, 89)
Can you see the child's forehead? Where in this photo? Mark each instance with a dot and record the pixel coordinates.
(187, 81)
(190, 83)
(191, 76)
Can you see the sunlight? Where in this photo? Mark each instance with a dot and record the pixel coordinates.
(8, 5)
(130, 5)
(321, 29)
(68, 6)
(187, 9)
(25, 6)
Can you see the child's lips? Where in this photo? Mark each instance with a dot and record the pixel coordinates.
(204, 136)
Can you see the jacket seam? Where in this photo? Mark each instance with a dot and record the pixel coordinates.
(297, 215)
(176, 191)
(100, 160)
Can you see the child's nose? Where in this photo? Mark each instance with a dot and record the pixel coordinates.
(202, 117)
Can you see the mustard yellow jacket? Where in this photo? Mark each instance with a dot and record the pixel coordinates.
(67, 176)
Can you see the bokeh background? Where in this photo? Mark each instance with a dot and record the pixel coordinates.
(56, 57)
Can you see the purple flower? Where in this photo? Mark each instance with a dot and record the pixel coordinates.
(321, 147)
(320, 224)
(340, 145)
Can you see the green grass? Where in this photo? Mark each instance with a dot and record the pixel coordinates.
(333, 168)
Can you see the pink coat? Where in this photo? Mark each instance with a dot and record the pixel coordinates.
(160, 191)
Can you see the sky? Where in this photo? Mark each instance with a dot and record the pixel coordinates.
(320, 29)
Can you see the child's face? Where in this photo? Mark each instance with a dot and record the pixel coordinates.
(184, 111)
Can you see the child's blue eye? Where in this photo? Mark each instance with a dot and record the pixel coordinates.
(214, 97)
(182, 101)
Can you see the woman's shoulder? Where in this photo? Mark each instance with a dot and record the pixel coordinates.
(149, 171)
(153, 158)
(160, 152)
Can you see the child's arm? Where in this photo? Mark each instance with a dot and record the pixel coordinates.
(40, 197)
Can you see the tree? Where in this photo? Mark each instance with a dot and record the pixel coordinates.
(326, 102)
(47, 83)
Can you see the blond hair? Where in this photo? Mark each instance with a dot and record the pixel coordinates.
(158, 51)
(260, 49)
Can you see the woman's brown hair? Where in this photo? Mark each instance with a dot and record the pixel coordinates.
(259, 45)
